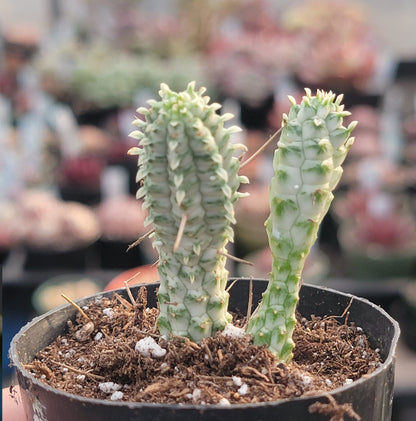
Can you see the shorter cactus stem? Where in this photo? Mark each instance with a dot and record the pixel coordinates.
(307, 167)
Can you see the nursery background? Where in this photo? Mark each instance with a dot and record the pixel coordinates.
(72, 75)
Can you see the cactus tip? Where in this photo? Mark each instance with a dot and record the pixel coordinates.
(227, 117)
(292, 100)
(339, 99)
(234, 129)
(191, 86)
(352, 125)
(141, 110)
(308, 92)
(349, 142)
(134, 150)
(164, 89)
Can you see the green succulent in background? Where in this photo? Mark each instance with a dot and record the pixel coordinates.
(107, 79)
(190, 183)
(96, 75)
(307, 167)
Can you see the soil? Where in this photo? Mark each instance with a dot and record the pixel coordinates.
(97, 358)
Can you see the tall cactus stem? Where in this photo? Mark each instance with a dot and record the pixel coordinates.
(189, 187)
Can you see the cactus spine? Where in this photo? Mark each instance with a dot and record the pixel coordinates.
(307, 167)
(189, 185)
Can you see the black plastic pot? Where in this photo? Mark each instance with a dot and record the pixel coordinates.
(371, 397)
(404, 310)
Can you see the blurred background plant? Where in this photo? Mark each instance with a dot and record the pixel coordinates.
(337, 41)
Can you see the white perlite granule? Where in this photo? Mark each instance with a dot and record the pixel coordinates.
(148, 347)
(116, 396)
(98, 336)
(306, 380)
(243, 389)
(196, 394)
(108, 312)
(237, 381)
(109, 387)
(233, 331)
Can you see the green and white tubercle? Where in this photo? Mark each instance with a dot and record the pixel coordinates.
(189, 175)
(307, 167)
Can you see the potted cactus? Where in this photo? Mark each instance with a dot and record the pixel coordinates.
(190, 183)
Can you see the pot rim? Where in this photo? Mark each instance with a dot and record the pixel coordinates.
(136, 405)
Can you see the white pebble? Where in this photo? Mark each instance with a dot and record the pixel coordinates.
(328, 382)
(109, 387)
(196, 394)
(306, 380)
(116, 396)
(361, 342)
(243, 389)
(98, 336)
(237, 381)
(348, 381)
(233, 332)
(81, 377)
(224, 402)
(70, 353)
(108, 312)
(149, 348)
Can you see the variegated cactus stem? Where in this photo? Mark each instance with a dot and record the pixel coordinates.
(189, 173)
(307, 167)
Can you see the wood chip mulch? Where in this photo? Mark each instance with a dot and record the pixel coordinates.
(97, 359)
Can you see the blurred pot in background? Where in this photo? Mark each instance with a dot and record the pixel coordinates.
(379, 246)
(122, 222)
(56, 234)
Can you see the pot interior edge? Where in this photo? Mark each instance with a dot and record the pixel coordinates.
(42, 330)
(382, 330)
